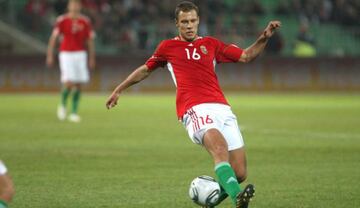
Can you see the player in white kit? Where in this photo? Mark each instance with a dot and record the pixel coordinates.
(6, 186)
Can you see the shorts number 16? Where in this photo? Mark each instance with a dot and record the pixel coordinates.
(207, 120)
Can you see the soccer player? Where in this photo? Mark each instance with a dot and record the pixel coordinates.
(200, 103)
(76, 35)
(6, 187)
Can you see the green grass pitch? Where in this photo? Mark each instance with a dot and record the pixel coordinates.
(303, 151)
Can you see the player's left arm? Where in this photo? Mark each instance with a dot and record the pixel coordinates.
(256, 48)
(91, 51)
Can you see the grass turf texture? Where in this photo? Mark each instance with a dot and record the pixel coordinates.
(303, 151)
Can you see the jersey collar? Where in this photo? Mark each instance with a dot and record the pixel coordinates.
(178, 38)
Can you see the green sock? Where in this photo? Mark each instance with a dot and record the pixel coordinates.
(75, 100)
(227, 179)
(64, 95)
(3, 204)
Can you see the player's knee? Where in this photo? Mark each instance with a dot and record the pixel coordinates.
(68, 85)
(77, 87)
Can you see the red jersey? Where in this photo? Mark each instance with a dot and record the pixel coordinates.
(75, 32)
(192, 67)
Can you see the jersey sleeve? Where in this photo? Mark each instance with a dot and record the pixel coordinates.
(157, 59)
(227, 52)
(90, 33)
(58, 25)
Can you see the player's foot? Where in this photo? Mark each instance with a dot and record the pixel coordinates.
(61, 112)
(244, 197)
(74, 118)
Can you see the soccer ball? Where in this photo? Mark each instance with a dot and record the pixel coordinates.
(204, 190)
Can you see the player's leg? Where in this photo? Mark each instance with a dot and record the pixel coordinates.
(67, 74)
(216, 145)
(238, 162)
(237, 159)
(75, 103)
(219, 138)
(65, 92)
(81, 76)
(6, 187)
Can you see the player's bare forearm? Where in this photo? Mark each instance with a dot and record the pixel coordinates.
(51, 44)
(50, 50)
(91, 52)
(256, 48)
(136, 76)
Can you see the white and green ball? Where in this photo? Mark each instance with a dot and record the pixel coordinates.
(204, 190)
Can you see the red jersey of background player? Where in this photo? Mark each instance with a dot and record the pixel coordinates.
(192, 66)
(75, 32)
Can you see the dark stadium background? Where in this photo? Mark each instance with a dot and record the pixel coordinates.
(316, 49)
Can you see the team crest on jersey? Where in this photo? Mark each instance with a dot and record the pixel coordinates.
(76, 27)
(203, 49)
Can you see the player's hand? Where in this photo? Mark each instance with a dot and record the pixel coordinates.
(270, 29)
(112, 100)
(49, 61)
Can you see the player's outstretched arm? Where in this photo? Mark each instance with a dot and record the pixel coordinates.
(136, 76)
(256, 48)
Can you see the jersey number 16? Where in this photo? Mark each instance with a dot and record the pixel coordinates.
(194, 56)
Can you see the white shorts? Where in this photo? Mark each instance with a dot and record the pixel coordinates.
(200, 118)
(73, 67)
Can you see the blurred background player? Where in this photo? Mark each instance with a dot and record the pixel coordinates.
(200, 102)
(76, 36)
(6, 187)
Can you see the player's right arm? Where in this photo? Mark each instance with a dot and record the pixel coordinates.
(51, 47)
(52, 41)
(136, 76)
(155, 61)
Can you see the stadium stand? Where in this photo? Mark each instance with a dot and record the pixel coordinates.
(124, 25)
